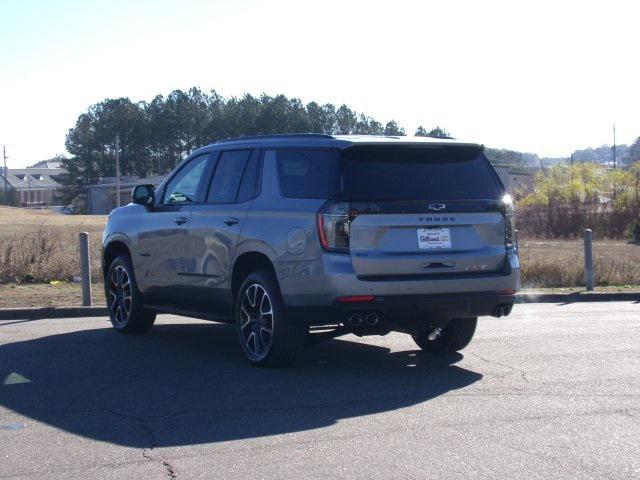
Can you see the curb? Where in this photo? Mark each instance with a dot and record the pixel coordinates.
(577, 297)
(37, 313)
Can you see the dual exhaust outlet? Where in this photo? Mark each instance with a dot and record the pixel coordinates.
(502, 310)
(371, 319)
(357, 320)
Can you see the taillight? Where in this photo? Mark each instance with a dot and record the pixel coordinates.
(508, 211)
(333, 227)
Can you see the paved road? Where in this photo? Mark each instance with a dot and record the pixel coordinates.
(553, 391)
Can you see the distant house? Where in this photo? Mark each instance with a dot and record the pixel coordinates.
(516, 179)
(34, 186)
(101, 197)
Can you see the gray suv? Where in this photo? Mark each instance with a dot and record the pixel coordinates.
(302, 237)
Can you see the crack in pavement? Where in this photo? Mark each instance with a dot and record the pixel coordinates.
(151, 440)
(171, 473)
(522, 373)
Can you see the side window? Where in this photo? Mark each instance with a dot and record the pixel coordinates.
(226, 179)
(249, 180)
(304, 173)
(184, 186)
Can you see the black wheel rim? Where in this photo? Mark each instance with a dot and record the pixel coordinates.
(256, 321)
(120, 296)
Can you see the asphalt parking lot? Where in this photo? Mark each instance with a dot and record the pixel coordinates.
(553, 391)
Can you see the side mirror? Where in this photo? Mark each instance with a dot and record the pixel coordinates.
(143, 195)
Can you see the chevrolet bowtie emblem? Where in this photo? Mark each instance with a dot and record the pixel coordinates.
(437, 206)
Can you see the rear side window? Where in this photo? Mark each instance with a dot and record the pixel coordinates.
(227, 176)
(417, 173)
(304, 173)
(248, 185)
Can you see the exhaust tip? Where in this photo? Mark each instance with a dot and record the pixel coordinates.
(372, 319)
(355, 320)
(502, 310)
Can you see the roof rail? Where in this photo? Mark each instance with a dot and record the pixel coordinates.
(276, 135)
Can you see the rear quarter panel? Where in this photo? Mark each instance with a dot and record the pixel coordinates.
(283, 229)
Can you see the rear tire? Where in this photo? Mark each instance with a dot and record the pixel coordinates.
(265, 335)
(124, 301)
(453, 337)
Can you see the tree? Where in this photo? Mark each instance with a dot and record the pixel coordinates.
(12, 195)
(393, 129)
(151, 138)
(346, 121)
(421, 132)
(438, 132)
(634, 151)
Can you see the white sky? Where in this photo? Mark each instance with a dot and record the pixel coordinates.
(540, 76)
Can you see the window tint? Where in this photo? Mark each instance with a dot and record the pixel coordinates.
(184, 186)
(226, 179)
(414, 173)
(249, 180)
(304, 173)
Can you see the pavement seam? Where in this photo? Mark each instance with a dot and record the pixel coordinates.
(522, 373)
(226, 449)
(151, 440)
(141, 421)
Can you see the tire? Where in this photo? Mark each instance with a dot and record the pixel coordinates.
(124, 301)
(453, 337)
(266, 337)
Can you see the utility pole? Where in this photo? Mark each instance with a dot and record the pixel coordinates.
(614, 146)
(117, 172)
(28, 177)
(6, 174)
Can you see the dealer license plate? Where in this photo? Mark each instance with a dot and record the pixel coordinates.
(434, 238)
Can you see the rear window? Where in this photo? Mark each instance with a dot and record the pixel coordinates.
(303, 173)
(417, 173)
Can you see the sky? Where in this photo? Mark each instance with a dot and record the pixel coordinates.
(541, 76)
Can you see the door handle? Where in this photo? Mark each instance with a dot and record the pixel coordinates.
(231, 221)
(181, 220)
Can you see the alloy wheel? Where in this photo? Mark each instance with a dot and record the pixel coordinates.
(120, 300)
(256, 321)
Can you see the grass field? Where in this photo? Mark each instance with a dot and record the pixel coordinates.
(38, 246)
(560, 263)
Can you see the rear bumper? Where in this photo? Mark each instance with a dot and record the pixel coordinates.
(310, 293)
(400, 312)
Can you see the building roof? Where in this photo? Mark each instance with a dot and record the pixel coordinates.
(47, 164)
(34, 178)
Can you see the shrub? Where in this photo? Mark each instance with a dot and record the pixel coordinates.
(43, 255)
(633, 230)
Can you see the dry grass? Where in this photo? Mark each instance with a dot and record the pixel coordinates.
(37, 246)
(45, 295)
(560, 263)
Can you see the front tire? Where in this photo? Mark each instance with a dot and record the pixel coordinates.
(453, 337)
(124, 301)
(265, 336)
